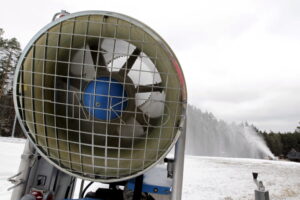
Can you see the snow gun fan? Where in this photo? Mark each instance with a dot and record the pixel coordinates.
(100, 96)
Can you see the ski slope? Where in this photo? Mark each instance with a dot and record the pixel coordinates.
(204, 178)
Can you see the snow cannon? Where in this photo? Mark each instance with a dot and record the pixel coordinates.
(102, 100)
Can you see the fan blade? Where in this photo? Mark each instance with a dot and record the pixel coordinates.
(100, 134)
(114, 48)
(83, 67)
(82, 64)
(142, 119)
(154, 106)
(130, 62)
(76, 84)
(145, 121)
(89, 71)
(107, 133)
(132, 129)
(157, 87)
(103, 127)
(68, 84)
(98, 59)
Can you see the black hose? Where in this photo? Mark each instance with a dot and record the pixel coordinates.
(85, 189)
(69, 187)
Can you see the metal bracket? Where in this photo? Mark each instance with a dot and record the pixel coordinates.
(170, 167)
(18, 181)
(60, 14)
(31, 157)
(14, 180)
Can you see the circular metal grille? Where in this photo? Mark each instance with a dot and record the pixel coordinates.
(100, 95)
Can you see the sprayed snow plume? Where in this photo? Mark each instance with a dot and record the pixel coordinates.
(208, 136)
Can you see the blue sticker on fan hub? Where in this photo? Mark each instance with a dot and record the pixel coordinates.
(105, 98)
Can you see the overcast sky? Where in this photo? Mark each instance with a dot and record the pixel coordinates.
(241, 59)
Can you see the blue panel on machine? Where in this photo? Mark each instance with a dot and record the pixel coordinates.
(105, 98)
(150, 188)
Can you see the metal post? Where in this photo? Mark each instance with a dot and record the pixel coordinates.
(179, 165)
(262, 195)
(14, 127)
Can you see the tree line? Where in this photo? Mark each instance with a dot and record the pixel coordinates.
(10, 52)
(282, 143)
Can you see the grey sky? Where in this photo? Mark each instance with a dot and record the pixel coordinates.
(240, 58)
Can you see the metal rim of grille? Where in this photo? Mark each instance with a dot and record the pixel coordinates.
(180, 102)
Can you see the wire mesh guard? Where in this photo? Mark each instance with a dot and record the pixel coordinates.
(101, 96)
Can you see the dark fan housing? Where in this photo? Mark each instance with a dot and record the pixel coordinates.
(100, 95)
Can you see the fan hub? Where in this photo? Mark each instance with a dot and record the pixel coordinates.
(105, 98)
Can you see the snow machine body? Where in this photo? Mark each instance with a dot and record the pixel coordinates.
(102, 100)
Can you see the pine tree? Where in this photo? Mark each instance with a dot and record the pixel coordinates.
(298, 128)
(9, 53)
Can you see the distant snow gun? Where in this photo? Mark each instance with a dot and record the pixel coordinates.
(260, 193)
(102, 100)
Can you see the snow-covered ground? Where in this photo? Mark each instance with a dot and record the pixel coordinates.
(231, 178)
(10, 155)
(205, 177)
